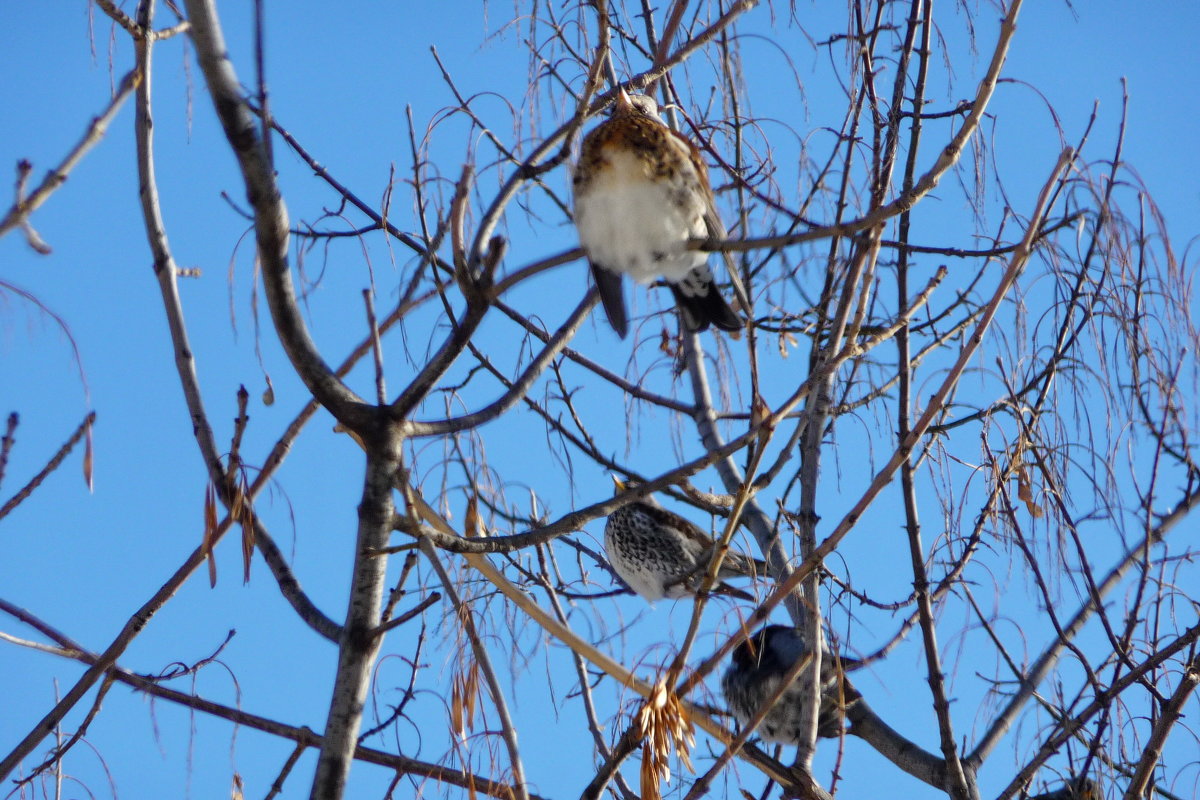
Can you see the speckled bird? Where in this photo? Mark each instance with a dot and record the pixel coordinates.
(641, 192)
(660, 554)
(758, 666)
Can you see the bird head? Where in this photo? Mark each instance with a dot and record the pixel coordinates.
(623, 486)
(772, 648)
(635, 104)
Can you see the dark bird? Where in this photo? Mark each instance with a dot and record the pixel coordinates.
(1081, 788)
(661, 554)
(641, 192)
(758, 667)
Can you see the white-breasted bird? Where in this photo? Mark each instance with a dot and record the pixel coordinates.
(641, 192)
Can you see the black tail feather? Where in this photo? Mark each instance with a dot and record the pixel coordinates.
(710, 308)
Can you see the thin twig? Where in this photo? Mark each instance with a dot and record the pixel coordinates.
(51, 465)
(23, 207)
(1045, 662)
(376, 347)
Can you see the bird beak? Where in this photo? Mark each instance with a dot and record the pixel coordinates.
(618, 485)
(623, 101)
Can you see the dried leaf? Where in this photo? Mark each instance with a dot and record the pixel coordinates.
(787, 341)
(1025, 493)
(664, 725)
(237, 793)
(246, 517)
(464, 696)
(648, 776)
(456, 709)
(471, 693)
(88, 454)
(210, 531)
(472, 525)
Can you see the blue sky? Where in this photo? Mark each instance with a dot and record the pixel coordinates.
(83, 561)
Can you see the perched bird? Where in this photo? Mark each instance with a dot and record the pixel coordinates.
(661, 554)
(641, 192)
(1079, 788)
(759, 665)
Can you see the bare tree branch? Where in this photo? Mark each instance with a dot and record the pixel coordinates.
(20, 210)
(270, 214)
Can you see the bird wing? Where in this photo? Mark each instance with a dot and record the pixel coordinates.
(712, 220)
(700, 545)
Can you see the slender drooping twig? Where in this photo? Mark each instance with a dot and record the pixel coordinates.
(936, 403)
(1045, 662)
(508, 730)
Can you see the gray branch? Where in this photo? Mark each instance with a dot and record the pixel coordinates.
(270, 218)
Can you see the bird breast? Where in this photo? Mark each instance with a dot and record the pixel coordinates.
(636, 224)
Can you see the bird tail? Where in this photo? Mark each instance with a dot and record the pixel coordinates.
(698, 311)
(609, 284)
(739, 564)
(730, 591)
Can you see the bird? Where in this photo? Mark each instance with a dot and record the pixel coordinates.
(660, 554)
(758, 666)
(641, 192)
(1077, 788)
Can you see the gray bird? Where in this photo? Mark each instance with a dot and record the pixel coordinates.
(758, 666)
(661, 554)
